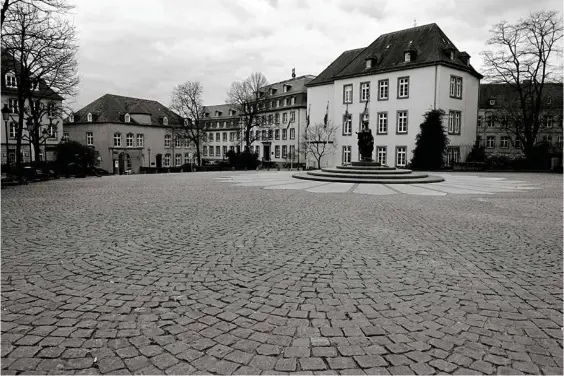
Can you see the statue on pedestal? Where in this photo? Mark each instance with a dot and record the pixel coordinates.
(365, 143)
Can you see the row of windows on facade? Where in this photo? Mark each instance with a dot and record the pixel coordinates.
(126, 118)
(281, 102)
(37, 105)
(130, 140)
(177, 159)
(264, 119)
(402, 89)
(548, 121)
(381, 155)
(259, 134)
(51, 130)
(454, 122)
(279, 151)
(505, 141)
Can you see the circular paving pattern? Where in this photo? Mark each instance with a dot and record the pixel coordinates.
(454, 184)
(184, 274)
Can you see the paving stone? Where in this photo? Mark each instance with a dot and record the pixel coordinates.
(180, 369)
(370, 361)
(239, 356)
(325, 352)
(422, 369)
(108, 365)
(164, 361)
(312, 364)
(296, 352)
(340, 363)
(263, 362)
(286, 365)
(137, 363)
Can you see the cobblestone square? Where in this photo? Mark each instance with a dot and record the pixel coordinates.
(190, 274)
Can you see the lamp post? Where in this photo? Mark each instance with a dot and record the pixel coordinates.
(149, 150)
(30, 127)
(5, 117)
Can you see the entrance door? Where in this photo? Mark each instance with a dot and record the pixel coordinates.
(266, 153)
(159, 160)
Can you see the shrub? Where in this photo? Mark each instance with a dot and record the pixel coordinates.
(431, 142)
(242, 160)
(477, 154)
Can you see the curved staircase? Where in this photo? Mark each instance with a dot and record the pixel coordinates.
(368, 173)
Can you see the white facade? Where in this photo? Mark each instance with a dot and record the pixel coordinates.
(429, 88)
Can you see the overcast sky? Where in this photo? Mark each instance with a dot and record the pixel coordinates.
(143, 48)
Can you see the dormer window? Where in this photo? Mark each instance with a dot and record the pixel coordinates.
(451, 55)
(492, 102)
(407, 57)
(71, 118)
(232, 112)
(272, 91)
(287, 88)
(89, 117)
(207, 114)
(165, 121)
(10, 79)
(127, 118)
(368, 63)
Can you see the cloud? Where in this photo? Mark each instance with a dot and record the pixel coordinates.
(143, 48)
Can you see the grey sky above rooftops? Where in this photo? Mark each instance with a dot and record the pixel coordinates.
(143, 48)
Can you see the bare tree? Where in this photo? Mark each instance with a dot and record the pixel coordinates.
(250, 99)
(57, 6)
(187, 102)
(319, 140)
(526, 58)
(40, 47)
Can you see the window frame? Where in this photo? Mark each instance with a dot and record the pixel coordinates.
(398, 147)
(13, 78)
(167, 159)
(398, 121)
(284, 151)
(378, 122)
(399, 87)
(345, 91)
(167, 140)
(347, 125)
(387, 82)
(129, 140)
(361, 92)
(13, 105)
(292, 133)
(277, 134)
(488, 138)
(385, 148)
(346, 150)
(456, 83)
(89, 138)
(89, 117)
(276, 151)
(504, 140)
(284, 134)
(117, 137)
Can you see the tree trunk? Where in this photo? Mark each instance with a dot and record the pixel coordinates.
(319, 162)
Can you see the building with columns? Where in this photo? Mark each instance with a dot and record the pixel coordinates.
(398, 78)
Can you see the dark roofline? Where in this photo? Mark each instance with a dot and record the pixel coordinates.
(354, 51)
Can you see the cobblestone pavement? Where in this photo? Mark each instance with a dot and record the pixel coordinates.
(182, 274)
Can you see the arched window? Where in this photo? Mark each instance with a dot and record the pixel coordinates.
(165, 121)
(71, 118)
(127, 118)
(129, 140)
(10, 79)
(89, 117)
(117, 139)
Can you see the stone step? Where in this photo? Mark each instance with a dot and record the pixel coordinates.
(415, 175)
(342, 179)
(367, 171)
(375, 168)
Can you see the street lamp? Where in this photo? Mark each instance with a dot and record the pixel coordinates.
(149, 150)
(30, 127)
(5, 117)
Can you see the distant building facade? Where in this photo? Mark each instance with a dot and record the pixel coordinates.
(130, 133)
(51, 122)
(278, 141)
(398, 78)
(492, 131)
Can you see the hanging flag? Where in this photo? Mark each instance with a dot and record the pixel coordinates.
(326, 117)
(365, 112)
(307, 117)
(289, 122)
(347, 113)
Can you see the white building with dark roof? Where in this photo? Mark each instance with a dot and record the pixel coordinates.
(402, 75)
